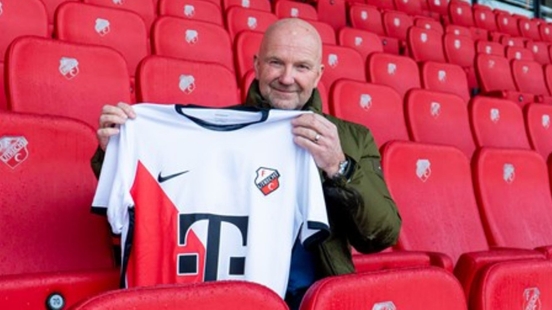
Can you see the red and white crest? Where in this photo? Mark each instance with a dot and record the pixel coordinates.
(386, 305)
(192, 36)
(1, 9)
(531, 298)
(189, 10)
(102, 26)
(118, 2)
(545, 121)
(365, 101)
(252, 22)
(13, 150)
(68, 67)
(423, 169)
(187, 83)
(333, 60)
(267, 180)
(435, 109)
(508, 173)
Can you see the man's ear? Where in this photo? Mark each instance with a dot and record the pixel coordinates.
(256, 65)
(320, 72)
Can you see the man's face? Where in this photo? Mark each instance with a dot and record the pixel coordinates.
(288, 69)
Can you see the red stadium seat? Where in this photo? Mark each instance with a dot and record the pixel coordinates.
(219, 295)
(537, 123)
(529, 28)
(122, 30)
(507, 24)
(377, 107)
(200, 10)
(382, 5)
(529, 78)
(261, 5)
(239, 19)
(170, 80)
(459, 50)
(50, 241)
(58, 78)
(341, 62)
(513, 41)
(489, 48)
(399, 72)
(439, 118)
(484, 17)
(365, 17)
(192, 40)
(326, 32)
(458, 30)
(246, 47)
(145, 9)
(429, 24)
(497, 123)
(333, 12)
(425, 45)
(439, 6)
(460, 13)
(362, 41)
(545, 31)
(520, 53)
(444, 77)
(288, 8)
(396, 25)
(390, 260)
(388, 289)
(410, 7)
(540, 51)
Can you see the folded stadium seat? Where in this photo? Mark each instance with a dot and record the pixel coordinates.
(439, 8)
(529, 78)
(497, 123)
(545, 31)
(53, 249)
(192, 40)
(341, 62)
(489, 48)
(246, 46)
(53, 77)
(513, 41)
(529, 28)
(479, 34)
(537, 123)
(362, 41)
(326, 32)
(333, 12)
(445, 77)
(425, 45)
(460, 13)
(289, 8)
(122, 30)
(429, 24)
(50, 6)
(495, 79)
(365, 17)
(484, 17)
(217, 295)
(378, 107)
(200, 10)
(540, 51)
(145, 9)
(382, 5)
(508, 181)
(458, 30)
(460, 50)
(509, 285)
(507, 23)
(240, 19)
(396, 25)
(261, 5)
(519, 53)
(399, 72)
(439, 118)
(410, 7)
(389, 289)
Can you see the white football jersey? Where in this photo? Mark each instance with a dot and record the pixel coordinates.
(205, 194)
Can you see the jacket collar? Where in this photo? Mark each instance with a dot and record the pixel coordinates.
(254, 99)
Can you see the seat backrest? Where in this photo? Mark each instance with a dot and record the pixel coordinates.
(341, 62)
(192, 40)
(366, 17)
(538, 117)
(529, 77)
(489, 48)
(513, 193)
(445, 77)
(333, 12)
(507, 24)
(529, 29)
(218, 295)
(122, 30)
(362, 41)
(21, 18)
(145, 9)
(326, 32)
(59, 78)
(512, 41)
(540, 51)
(200, 10)
(169, 80)
(377, 107)
(425, 45)
(396, 24)
(399, 72)
(545, 31)
(429, 24)
(484, 17)
(460, 13)
(497, 123)
(488, 68)
(410, 7)
(439, 118)
(288, 8)
(432, 187)
(261, 5)
(516, 52)
(239, 19)
(459, 50)
(382, 4)
(246, 46)
(458, 30)
(388, 289)
(520, 283)
(47, 189)
(438, 6)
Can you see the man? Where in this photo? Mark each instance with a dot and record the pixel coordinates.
(360, 210)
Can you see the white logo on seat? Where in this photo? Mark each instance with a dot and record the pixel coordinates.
(1, 9)
(192, 36)
(365, 101)
(442, 76)
(427, 26)
(457, 32)
(423, 37)
(187, 83)
(405, 1)
(531, 298)
(535, 49)
(545, 121)
(437, 2)
(13, 150)
(294, 12)
(68, 67)
(396, 22)
(386, 305)
(252, 22)
(488, 49)
(435, 109)
(358, 41)
(364, 15)
(510, 43)
(495, 115)
(491, 64)
(332, 60)
(547, 30)
(391, 68)
(459, 11)
(518, 55)
(524, 69)
(527, 26)
(483, 17)
(423, 169)
(508, 173)
(457, 44)
(505, 21)
(189, 10)
(118, 2)
(102, 26)
(245, 3)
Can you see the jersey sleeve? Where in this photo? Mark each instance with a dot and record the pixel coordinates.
(113, 191)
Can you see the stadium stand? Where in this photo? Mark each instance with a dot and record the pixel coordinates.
(239, 19)
(53, 249)
(537, 123)
(145, 9)
(288, 8)
(341, 62)
(399, 72)
(362, 41)
(200, 10)
(220, 295)
(445, 77)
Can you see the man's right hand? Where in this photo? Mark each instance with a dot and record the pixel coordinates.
(112, 117)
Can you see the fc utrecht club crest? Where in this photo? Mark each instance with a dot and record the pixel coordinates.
(386, 305)
(13, 150)
(267, 180)
(531, 298)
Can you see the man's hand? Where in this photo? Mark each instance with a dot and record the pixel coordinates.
(112, 117)
(319, 136)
